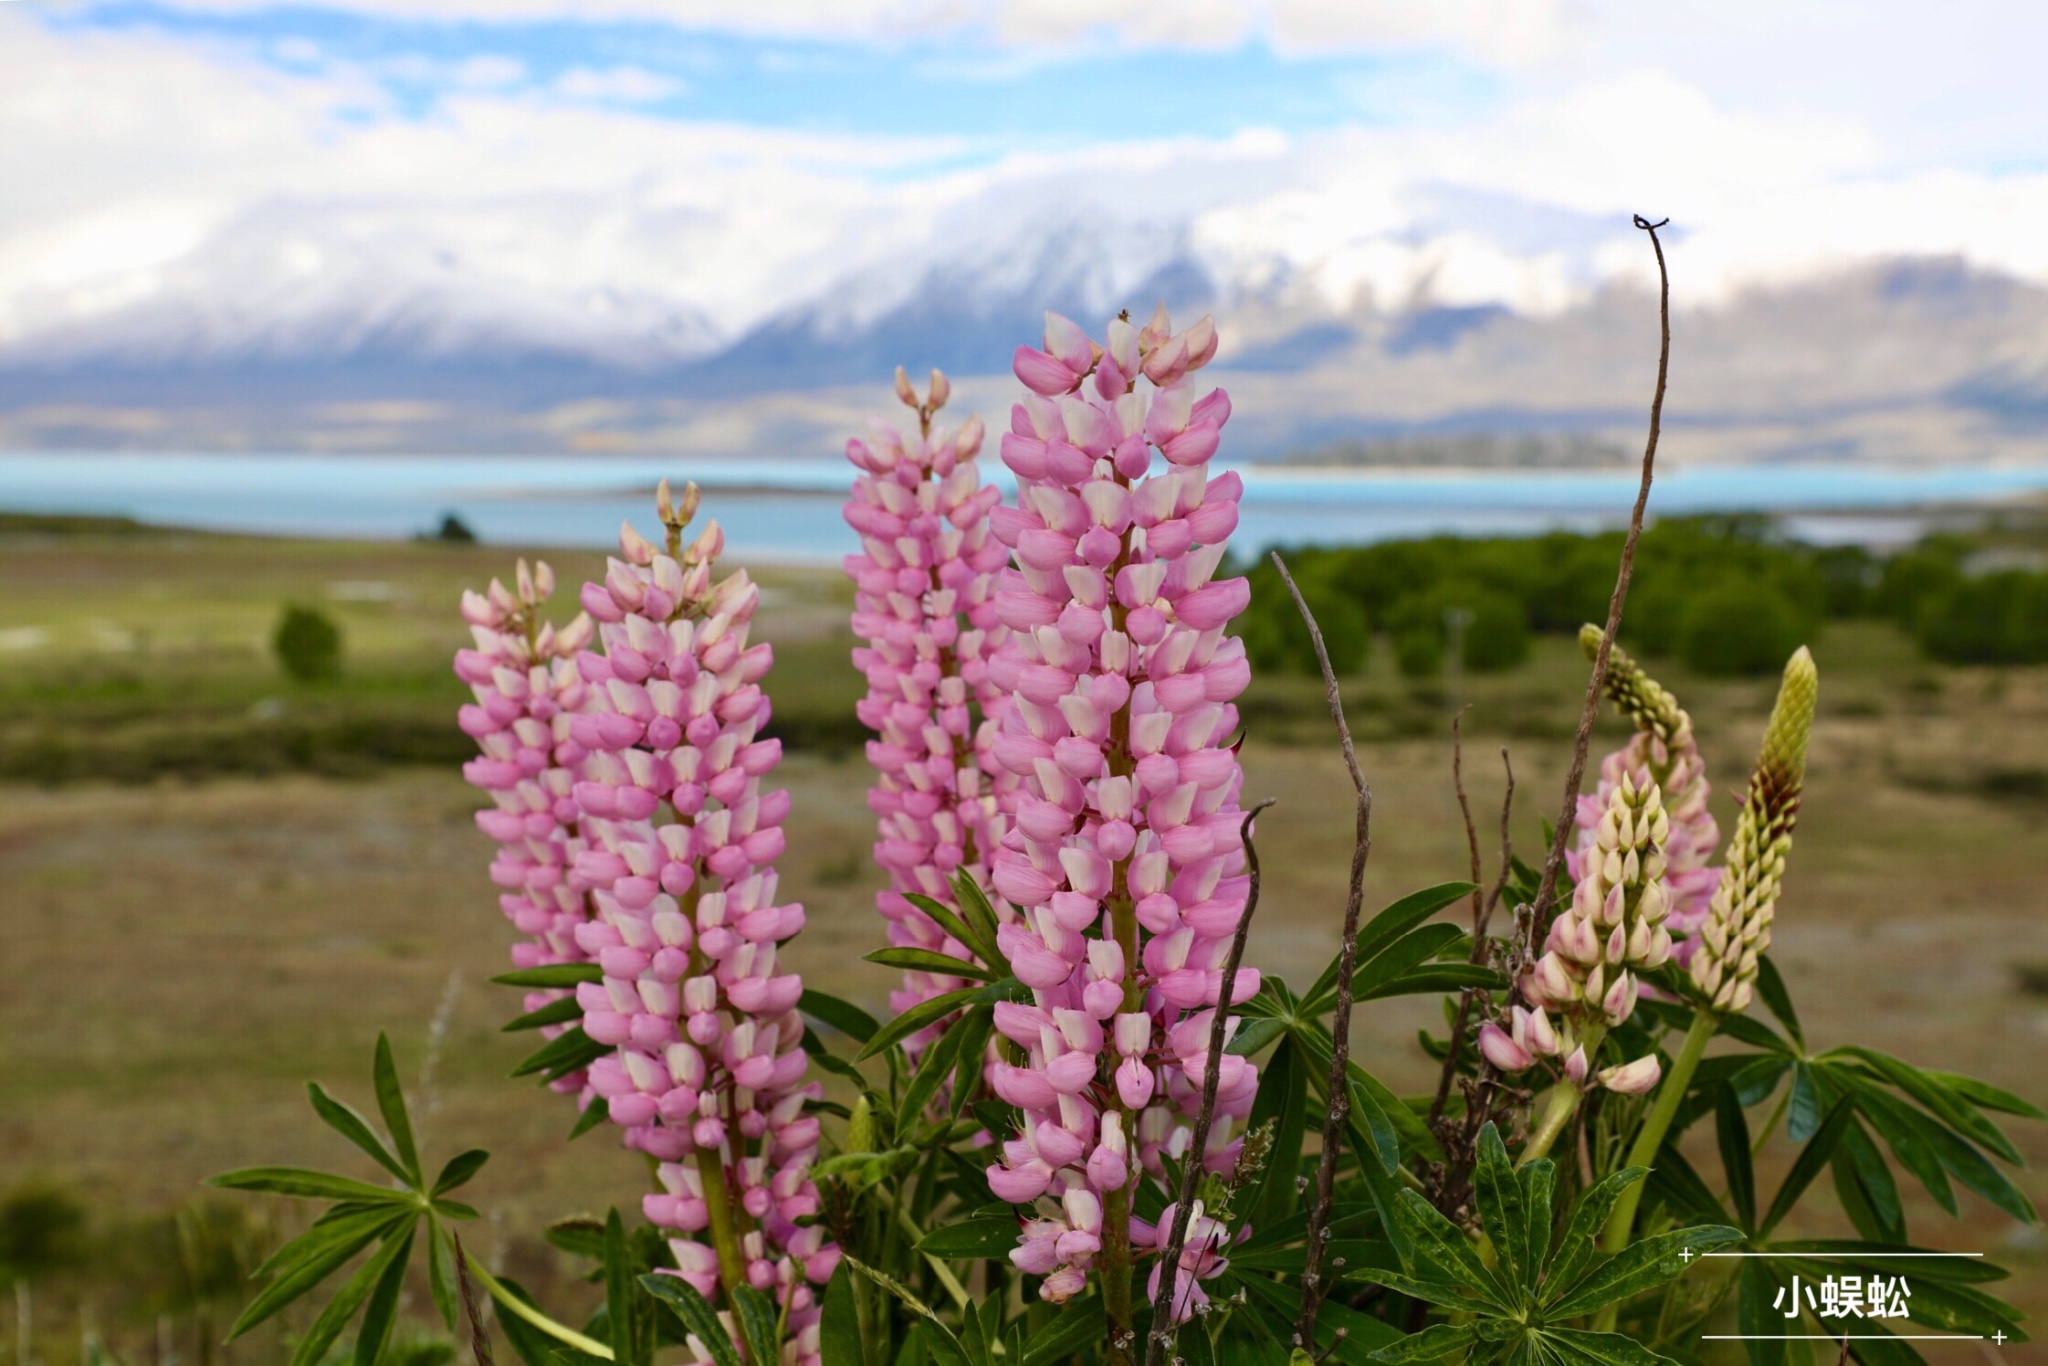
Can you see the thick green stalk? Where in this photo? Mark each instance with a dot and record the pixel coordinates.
(1560, 1103)
(725, 1238)
(514, 1305)
(1651, 1136)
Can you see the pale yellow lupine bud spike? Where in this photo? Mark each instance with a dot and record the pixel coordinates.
(1649, 706)
(1738, 928)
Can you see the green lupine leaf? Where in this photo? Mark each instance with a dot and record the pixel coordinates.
(618, 1293)
(1808, 1164)
(940, 1338)
(1770, 989)
(947, 919)
(1755, 1081)
(1803, 1113)
(757, 1320)
(980, 1025)
(1504, 1210)
(1758, 1319)
(1984, 1094)
(931, 1072)
(924, 960)
(1577, 1347)
(327, 1327)
(844, 1016)
(1383, 929)
(696, 1315)
(1410, 951)
(1282, 1101)
(391, 1104)
(1435, 977)
(564, 1011)
(1674, 1181)
(1732, 1132)
(1933, 1265)
(839, 1341)
(310, 1185)
(1581, 1235)
(1641, 1266)
(441, 1279)
(1431, 1344)
(382, 1311)
(1255, 1034)
(563, 1054)
(353, 1127)
(1953, 1156)
(980, 916)
(916, 1018)
(553, 975)
(589, 1117)
(1864, 1185)
(459, 1170)
(1442, 1249)
(1901, 1127)
(308, 1260)
(972, 1239)
(1077, 1324)
(1936, 1097)
(1757, 1034)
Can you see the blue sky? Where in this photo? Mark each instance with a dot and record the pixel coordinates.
(966, 83)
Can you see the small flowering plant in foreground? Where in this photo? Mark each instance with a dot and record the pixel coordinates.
(1085, 1129)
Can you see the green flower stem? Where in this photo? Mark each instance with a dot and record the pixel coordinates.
(957, 1291)
(725, 1239)
(513, 1304)
(1651, 1136)
(1560, 1103)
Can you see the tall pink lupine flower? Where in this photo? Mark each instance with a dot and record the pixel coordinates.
(1124, 859)
(523, 675)
(924, 602)
(1664, 747)
(709, 1076)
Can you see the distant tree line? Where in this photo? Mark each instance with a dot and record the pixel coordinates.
(1727, 595)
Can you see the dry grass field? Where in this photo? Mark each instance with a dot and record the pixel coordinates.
(184, 950)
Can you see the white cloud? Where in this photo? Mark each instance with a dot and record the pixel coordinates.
(625, 84)
(186, 197)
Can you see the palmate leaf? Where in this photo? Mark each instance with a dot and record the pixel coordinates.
(1440, 1251)
(1643, 1265)
(1578, 1347)
(1515, 1209)
(1431, 1344)
(382, 1310)
(459, 1169)
(345, 1121)
(327, 1327)
(1807, 1165)
(391, 1105)
(1379, 932)
(308, 1184)
(959, 930)
(306, 1261)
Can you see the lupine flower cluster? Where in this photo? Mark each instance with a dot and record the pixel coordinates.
(1737, 929)
(924, 602)
(1124, 860)
(709, 1077)
(1613, 928)
(1663, 746)
(524, 677)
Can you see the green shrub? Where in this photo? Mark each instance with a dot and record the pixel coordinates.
(1912, 579)
(1740, 628)
(42, 1229)
(1493, 627)
(307, 645)
(1997, 619)
(1275, 637)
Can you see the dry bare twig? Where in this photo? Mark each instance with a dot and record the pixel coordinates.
(1347, 960)
(1546, 892)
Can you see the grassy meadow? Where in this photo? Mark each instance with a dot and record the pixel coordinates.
(217, 884)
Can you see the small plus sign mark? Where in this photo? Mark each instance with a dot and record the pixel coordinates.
(1686, 1256)
(1999, 1337)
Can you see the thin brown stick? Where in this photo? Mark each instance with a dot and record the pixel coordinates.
(1331, 696)
(1507, 843)
(479, 1336)
(1465, 811)
(1546, 893)
(1164, 1326)
(1340, 1026)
